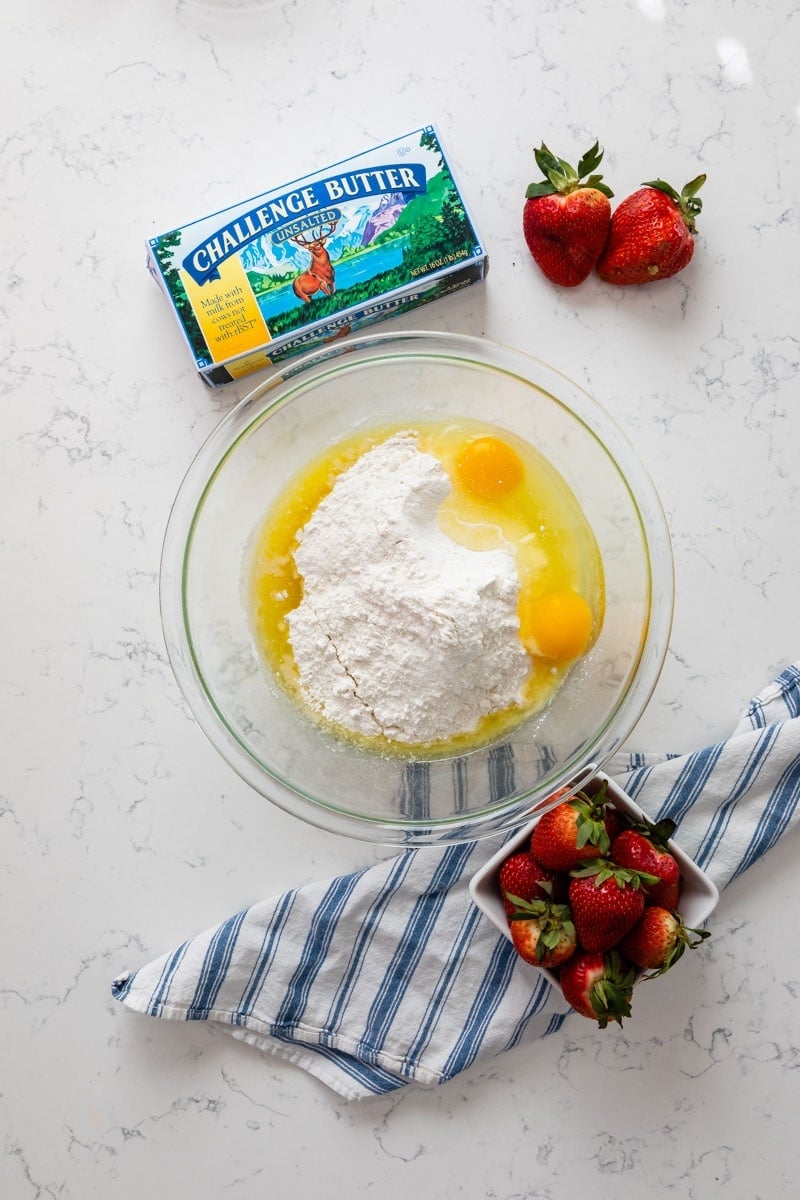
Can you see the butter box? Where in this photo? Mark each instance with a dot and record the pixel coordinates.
(311, 261)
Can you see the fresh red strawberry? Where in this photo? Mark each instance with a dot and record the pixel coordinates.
(643, 847)
(606, 901)
(572, 832)
(598, 986)
(565, 220)
(652, 233)
(521, 875)
(542, 932)
(658, 939)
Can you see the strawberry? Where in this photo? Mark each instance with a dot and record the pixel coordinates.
(542, 932)
(566, 221)
(658, 939)
(613, 821)
(652, 233)
(606, 902)
(521, 875)
(572, 832)
(643, 847)
(598, 986)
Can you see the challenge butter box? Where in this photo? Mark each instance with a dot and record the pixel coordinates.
(310, 261)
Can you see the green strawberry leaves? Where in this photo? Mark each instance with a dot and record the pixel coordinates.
(687, 200)
(590, 829)
(535, 910)
(554, 921)
(610, 996)
(527, 910)
(591, 159)
(603, 869)
(561, 178)
(658, 832)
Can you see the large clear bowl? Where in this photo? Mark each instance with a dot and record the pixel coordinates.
(290, 419)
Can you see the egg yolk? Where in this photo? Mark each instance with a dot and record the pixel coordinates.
(487, 467)
(557, 625)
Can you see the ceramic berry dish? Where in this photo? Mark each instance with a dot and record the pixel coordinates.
(692, 894)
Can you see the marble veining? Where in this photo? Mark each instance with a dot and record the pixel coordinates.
(121, 832)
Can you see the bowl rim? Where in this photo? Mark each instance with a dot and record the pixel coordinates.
(278, 390)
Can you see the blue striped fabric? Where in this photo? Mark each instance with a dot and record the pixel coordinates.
(390, 975)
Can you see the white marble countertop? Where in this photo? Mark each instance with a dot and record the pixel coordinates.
(121, 831)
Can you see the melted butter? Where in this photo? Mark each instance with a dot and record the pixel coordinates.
(539, 521)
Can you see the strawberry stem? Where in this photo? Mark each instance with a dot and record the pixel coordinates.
(590, 825)
(687, 199)
(561, 178)
(604, 868)
(610, 996)
(659, 833)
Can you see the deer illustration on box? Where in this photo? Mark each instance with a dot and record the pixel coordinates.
(319, 274)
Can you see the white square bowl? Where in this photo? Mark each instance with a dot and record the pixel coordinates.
(699, 895)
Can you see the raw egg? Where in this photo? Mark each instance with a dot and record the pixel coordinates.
(488, 467)
(556, 625)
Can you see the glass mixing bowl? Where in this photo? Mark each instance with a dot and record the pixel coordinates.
(260, 446)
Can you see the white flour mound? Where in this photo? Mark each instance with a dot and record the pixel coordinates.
(401, 632)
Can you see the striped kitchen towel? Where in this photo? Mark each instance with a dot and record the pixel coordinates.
(390, 975)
